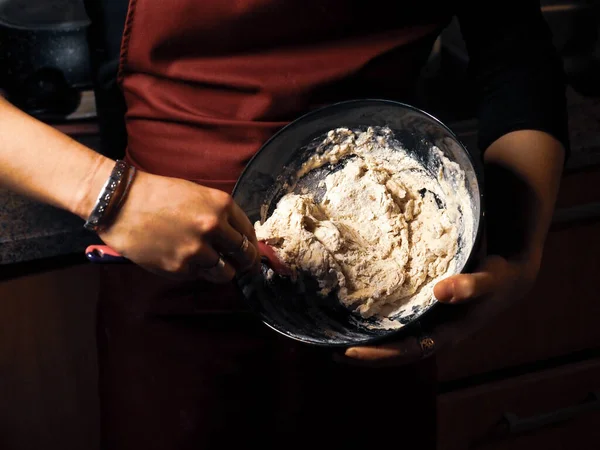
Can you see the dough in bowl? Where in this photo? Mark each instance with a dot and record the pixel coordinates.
(384, 231)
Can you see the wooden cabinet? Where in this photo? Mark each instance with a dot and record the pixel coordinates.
(48, 369)
(555, 409)
(550, 339)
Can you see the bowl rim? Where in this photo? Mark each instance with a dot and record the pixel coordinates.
(468, 262)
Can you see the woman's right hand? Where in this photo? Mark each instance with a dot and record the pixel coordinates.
(181, 229)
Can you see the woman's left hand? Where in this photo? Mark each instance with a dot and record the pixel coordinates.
(471, 300)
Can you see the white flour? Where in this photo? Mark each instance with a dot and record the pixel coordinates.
(385, 231)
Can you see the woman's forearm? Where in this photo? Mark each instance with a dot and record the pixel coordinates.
(523, 171)
(40, 162)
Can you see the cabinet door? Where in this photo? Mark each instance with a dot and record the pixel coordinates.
(552, 410)
(562, 312)
(48, 368)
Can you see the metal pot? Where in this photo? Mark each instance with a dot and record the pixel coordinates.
(44, 55)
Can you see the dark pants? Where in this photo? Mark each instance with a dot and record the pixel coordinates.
(186, 366)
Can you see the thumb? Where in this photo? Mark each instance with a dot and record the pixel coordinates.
(463, 287)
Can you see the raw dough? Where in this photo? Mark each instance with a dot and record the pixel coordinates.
(382, 231)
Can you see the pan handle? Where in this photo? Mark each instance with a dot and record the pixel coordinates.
(103, 254)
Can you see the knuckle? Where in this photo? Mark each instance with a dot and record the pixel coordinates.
(227, 200)
(193, 249)
(175, 266)
(181, 261)
(209, 224)
(223, 200)
(186, 253)
(465, 287)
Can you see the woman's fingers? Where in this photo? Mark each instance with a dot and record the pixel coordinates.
(220, 271)
(204, 263)
(236, 248)
(406, 351)
(489, 278)
(460, 288)
(240, 222)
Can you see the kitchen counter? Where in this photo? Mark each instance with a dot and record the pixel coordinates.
(30, 231)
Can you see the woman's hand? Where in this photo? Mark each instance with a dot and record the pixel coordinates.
(180, 229)
(472, 300)
(166, 225)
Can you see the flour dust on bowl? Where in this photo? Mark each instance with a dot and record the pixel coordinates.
(370, 202)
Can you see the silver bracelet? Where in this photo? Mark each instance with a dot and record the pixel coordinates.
(95, 220)
(130, 177)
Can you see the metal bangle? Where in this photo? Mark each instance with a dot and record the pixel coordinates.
(95, 221)
(130, 177)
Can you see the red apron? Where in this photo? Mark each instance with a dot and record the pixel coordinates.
(206, 82)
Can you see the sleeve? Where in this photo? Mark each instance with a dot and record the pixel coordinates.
(517, 73)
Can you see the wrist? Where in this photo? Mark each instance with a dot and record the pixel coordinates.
(96, 175)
